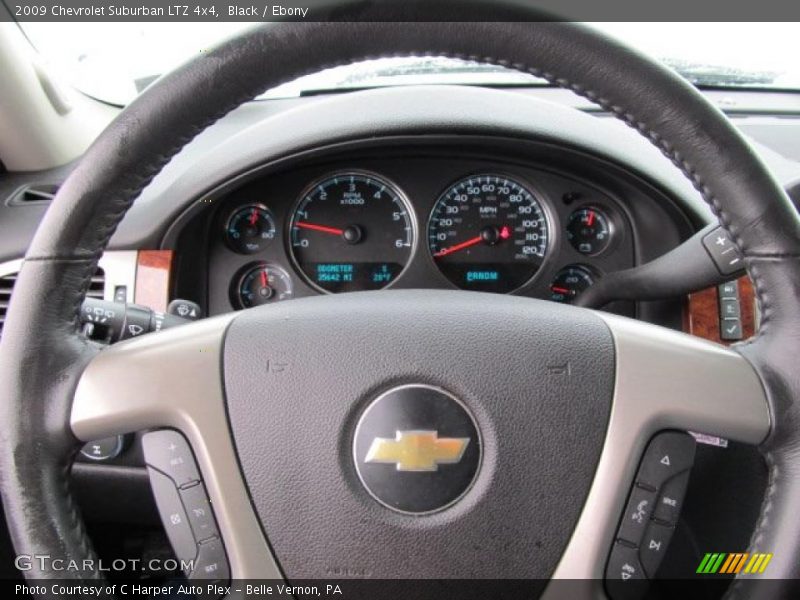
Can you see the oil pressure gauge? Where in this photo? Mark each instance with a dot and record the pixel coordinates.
(250, 229)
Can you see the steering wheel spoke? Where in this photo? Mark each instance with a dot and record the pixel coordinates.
(664, 380)
(173, 380)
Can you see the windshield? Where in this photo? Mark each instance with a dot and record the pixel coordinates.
(116, 61)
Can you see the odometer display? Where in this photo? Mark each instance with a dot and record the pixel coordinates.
(488, 233)
(351, 231)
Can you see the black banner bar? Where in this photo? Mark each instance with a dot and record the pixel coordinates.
(708, 586)
(366, 10)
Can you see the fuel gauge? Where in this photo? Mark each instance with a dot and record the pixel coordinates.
(569, 282)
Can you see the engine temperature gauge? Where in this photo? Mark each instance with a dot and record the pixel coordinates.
(589, 230)
(569, 282)
(263, 283)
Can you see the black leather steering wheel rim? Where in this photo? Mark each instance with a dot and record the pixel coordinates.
(40, 371)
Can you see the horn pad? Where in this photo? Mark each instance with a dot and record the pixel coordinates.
(311, 385)
(416, 449)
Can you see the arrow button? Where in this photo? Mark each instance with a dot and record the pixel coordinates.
(667, 455)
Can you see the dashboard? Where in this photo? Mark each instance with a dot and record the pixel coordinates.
(477, 214)
(433, 188)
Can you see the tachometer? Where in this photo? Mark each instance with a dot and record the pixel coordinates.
(488, 233)
(352, 231)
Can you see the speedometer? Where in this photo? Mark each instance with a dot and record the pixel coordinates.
(489, 233)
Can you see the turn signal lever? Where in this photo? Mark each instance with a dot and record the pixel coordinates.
(113, 322)
(706, 259)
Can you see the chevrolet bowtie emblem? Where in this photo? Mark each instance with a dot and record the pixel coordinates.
(417, 450)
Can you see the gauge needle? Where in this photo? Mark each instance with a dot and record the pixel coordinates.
(590, 220)
(322, 228)
(253, 217)
(264, 279)
(560, 290)
(470, 242)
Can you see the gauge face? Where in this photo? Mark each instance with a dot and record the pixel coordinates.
(250, 229)
(569, 282)
(488, 233)
(350, 232)
(262, 283)
(589, 230)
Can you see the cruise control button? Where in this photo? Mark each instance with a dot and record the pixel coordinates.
(625, 577)
(670, 501)
(637, 514)
(198, 508)
(169, 452)
(211, 562)
(173, 515)
(654, 547)
(104, 449)
(667, 455)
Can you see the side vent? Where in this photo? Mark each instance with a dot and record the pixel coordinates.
(96, 289)
(6, 286)
(98, 285)
(37, 193)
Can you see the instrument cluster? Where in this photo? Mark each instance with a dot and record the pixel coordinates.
(332, 230)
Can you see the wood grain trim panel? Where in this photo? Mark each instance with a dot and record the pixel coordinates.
(701, 314)
(153, 278)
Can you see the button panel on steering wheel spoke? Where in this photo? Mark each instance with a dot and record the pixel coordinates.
(651, 513)
(184, 506)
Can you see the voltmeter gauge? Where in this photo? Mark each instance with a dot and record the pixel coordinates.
(590, 230)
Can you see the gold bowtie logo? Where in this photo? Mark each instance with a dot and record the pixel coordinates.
(417, 450)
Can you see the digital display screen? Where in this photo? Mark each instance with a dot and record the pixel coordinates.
(500, 278)
(489, 275)
(349, 277)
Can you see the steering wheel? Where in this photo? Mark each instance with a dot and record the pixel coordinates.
(551, 406)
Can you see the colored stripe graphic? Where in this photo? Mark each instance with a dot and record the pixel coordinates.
(734, 563)
(722, 562)
(758, 563)
(703, 563)
(727, 564)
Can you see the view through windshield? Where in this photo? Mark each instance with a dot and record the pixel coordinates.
(115, 61)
